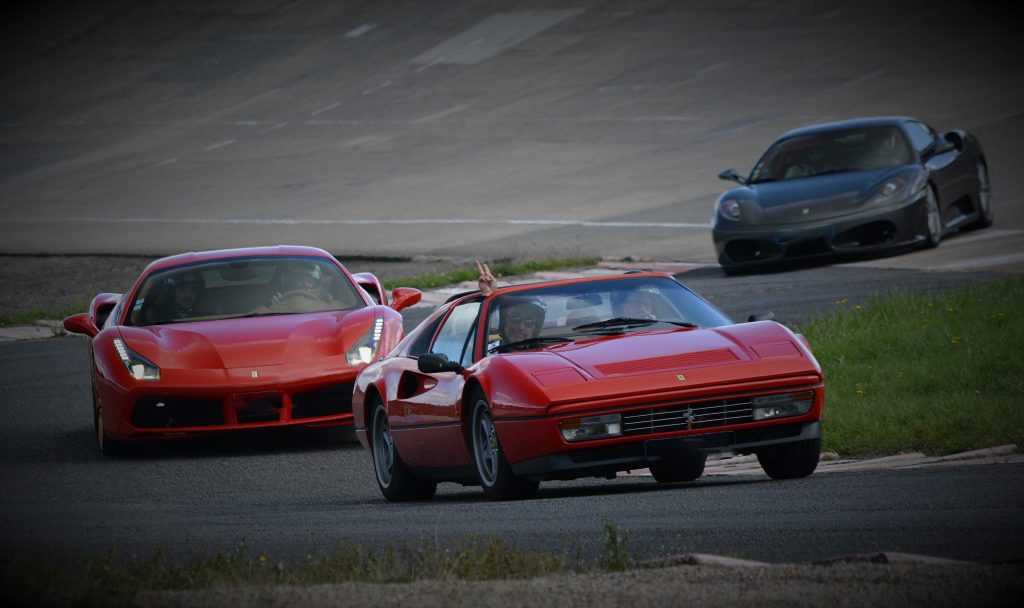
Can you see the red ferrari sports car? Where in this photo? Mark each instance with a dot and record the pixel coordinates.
(585, 377)
(233, 339)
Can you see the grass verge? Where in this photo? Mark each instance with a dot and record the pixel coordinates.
(932, 373)
(113, 582)
(29, 317)
(498, 268)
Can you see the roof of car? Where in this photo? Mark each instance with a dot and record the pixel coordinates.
(195, 257)
(846, 124)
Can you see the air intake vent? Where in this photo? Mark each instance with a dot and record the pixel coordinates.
(657, 364)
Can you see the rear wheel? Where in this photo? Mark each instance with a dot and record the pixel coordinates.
(933, 219)
(493, 470)
(984, 199)
(685, 466)
(397, 483)
(791, 460)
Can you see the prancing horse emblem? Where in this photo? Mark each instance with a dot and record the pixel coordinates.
(688, 415)
(680, 377)
(255, 374)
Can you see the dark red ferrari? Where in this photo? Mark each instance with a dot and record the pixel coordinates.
(234, 339)
(585, 377)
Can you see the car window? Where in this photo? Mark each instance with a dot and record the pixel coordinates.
(241, 287)
(453, 339)
(827, 152)
(421, 341)
(921, 136)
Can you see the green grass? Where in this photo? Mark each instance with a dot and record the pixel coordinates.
(932, 373)
(29, 317)
(110, 581)
(499, 269)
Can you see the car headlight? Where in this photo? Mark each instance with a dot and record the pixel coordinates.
(892, 190)
(591, 427)
(365, 348)
(138, 366)
(779, 406)
(730, 209)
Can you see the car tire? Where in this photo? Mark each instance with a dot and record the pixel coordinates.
(396, 482)
(985, 214)
(492, 468)
(685, 466)
(932, 219)
(108, 446)
(791, 460)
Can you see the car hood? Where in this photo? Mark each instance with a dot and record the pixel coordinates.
(817, 197)
(250, 343)
(667, 361)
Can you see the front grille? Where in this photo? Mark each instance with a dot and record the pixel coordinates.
(688, 416)
(324, 402)
(258, 407)
(171, 412)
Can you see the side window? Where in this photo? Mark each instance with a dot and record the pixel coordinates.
(454, 335)
(422, 343)
(920, 135)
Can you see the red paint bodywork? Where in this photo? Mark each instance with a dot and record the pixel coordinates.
(530, 391)
(231, 366)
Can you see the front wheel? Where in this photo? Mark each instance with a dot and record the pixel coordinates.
(108, 446)
(933, 219)
(985, 214)
(397, 483)
(791, 460)
(493, 470)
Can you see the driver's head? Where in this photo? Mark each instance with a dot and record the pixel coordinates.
(520, 319)
(640, 304)
(188, 289)
(302, 276)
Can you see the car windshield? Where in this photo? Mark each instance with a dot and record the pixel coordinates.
(859, 149)
(246, 287)
(543, 316)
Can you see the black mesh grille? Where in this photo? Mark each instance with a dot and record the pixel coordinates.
(324, 402)
(171, 412)
(258, 407)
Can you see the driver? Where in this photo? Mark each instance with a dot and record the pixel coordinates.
(301, 289)
(640, 305)
(519, 319)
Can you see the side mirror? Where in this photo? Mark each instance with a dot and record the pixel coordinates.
(761, 316)
(433, 363)
(942, 145)
(732, 176)
(81, 324)
(404, 297)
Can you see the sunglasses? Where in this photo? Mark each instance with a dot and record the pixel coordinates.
(518, 319)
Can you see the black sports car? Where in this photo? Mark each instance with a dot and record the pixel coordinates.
(859, 185)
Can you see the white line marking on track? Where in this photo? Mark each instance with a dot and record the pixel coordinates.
(443, 113)
(326, 108)
(359, 31)
(274, 127)
(982, 262)
(374, 89)
(221, 144)
(169, 161)
(367, 222)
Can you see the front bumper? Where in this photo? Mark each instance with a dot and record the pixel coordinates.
(606, 460)
(866, 232)
(159, 411)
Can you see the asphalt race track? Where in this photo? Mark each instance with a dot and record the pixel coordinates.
(460, 130)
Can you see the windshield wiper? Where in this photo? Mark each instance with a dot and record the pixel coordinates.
(532, 343)
(250, 315)
(627, 322)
